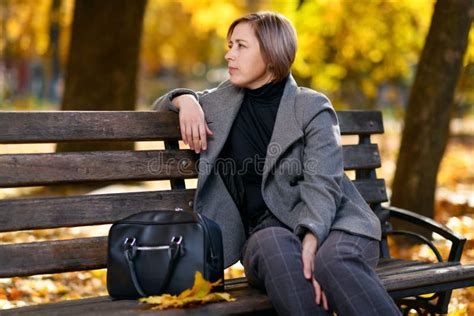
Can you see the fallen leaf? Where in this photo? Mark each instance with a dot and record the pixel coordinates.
(14, 294)
(200, 293)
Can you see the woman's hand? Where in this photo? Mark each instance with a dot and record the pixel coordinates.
(194, 129)
(309, 248)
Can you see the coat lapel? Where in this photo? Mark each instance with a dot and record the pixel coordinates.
(286, 130)
(221, 109)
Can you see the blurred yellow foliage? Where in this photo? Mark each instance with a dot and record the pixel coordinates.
(344, 46)
(27, 26)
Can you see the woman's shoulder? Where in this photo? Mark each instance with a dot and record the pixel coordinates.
(311, 103)
(222, 88)
(312, 99)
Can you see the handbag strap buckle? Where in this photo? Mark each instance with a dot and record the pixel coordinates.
(176, 246)
(130, 248)
(176, 240)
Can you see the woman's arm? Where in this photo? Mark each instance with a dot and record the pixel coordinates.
(320, 190)
(192, 122)
(308, 254)
(165, 102)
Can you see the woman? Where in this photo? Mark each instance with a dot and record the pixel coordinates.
(271, 174)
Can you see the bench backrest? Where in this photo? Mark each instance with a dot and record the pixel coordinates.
(17, 170)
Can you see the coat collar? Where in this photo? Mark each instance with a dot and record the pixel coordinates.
(286, 130)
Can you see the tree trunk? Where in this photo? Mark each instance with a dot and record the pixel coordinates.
(102, 64)
(430, 105)
(52, 62)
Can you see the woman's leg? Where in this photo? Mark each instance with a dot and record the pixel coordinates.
(345, 269)
(272, 261)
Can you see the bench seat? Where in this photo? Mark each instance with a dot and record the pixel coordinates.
(401, 278)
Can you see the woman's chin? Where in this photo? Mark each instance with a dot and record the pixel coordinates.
(236, 83)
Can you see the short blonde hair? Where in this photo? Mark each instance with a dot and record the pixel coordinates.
(277, 38)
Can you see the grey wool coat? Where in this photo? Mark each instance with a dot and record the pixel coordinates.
(303, 184)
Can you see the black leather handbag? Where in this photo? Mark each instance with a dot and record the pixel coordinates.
(157, 252)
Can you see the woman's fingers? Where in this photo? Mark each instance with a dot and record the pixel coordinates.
(195, 135)
(317, 291)
(182, 128)
(325, 301)
(307, 258)
(203, 136)
(196, 138)
(308, 252)
(320, 297)
(194, 129)
(208, 131)
(188, 132)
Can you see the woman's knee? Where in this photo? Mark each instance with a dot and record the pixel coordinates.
(270, 243)
(341, 253)
(270, 239)
(267, 249)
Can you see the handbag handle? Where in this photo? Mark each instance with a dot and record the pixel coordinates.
(130, 249)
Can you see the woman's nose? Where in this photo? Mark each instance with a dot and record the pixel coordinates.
(229, 55)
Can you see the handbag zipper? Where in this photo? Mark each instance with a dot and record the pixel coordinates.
(152, 247)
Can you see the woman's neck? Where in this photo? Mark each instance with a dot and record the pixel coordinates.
(267, 93)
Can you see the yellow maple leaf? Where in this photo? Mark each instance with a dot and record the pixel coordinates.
(200, 293)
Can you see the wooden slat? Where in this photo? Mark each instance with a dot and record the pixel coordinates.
(42, 213)
(361, 157)
(53, 256)
(250, 301)
(437, 274)
(416, 267)
(42, 169)
(385, 265)
(38, 169)
(59, 126)
(360, 122)
(392, 266)
(373, 191)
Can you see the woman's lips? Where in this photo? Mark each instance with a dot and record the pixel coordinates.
(232, 70)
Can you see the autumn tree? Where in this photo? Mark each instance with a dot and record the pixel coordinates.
(53, 68)
(426, 127)
(102, 65)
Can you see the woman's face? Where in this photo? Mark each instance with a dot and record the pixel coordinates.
(247, 69)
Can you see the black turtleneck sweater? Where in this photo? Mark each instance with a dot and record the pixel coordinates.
(246, 149)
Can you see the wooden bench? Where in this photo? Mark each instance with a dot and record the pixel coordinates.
(403, 279)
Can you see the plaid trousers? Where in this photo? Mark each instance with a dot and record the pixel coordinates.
(344, 267)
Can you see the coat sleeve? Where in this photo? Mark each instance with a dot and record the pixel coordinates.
(320, 189)
(164, 102)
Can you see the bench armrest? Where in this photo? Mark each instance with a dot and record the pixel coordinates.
(456, 239)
